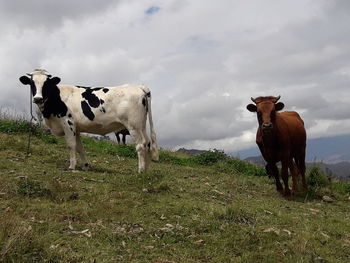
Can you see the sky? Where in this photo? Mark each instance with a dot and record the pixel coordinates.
(202, 60)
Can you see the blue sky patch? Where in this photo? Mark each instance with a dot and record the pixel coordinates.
(152, 10)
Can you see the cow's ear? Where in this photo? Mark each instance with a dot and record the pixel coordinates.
(279, 106)
(251, 107)
(25, 80)
(55, 80)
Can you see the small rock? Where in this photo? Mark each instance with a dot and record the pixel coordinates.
(272, 229)
(327, 199)
(199, 242)
(218, 192)
(54, 246)
(314, 211)
(149, 247)
(287, 231)
(8, 209)
(325, 235)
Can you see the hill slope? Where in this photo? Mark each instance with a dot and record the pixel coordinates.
(180, 211)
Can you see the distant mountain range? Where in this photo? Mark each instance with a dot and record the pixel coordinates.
(341, 169)
(327, 150)
(191, 151)
(335, 164)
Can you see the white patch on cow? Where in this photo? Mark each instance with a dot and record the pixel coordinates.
(39, 77)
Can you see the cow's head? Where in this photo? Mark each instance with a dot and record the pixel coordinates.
(40, 83)
(266, 108)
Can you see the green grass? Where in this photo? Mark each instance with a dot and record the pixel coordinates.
(185, 209)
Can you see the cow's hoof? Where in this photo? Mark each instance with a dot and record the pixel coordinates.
(287, 195)
(86, 166)
(280, 190)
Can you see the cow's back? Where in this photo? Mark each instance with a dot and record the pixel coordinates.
(101, 110)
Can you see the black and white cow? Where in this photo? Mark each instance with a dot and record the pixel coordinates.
(69, 110)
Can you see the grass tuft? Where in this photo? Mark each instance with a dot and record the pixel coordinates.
(30, 188)
(236, 215)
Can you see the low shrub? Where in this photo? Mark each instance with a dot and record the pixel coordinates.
(211, 157)
(166, 157)
(318, 182)
(243, 167)
(317, 178)
(32, 188)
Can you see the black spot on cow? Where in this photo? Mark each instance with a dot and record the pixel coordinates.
(144, 101)
(105, 90)
(72, 131)
(33, 88)
(102, 101)
(28, 81)
(69, 115)
(53, 105)
(70, 123)
(87, 110)
(103, 110)
(93, 100)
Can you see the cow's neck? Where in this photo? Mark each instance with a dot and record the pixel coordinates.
(270, 139)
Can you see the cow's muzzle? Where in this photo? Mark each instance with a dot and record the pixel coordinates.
(38, 100)
(266, 126)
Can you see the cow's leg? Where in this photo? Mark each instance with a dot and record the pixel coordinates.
(141, 148)
(284, 174)
(80, 150)
(124, 139)
(271, 169)
(117, 135)
(294, 172)
(70, 136)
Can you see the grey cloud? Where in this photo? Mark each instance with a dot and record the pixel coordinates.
(49, 13)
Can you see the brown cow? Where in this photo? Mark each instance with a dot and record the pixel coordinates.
(280, 137)
(123, 132)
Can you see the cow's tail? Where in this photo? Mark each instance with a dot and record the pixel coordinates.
(153, 146)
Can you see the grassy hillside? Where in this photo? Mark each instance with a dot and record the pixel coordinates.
(208, 208)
